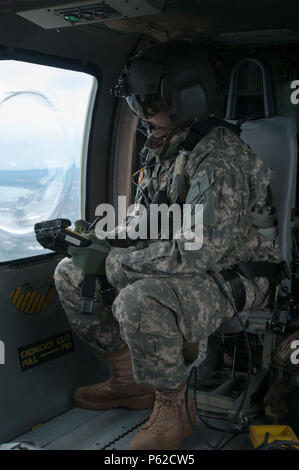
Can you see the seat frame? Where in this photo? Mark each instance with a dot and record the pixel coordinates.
(268, 323)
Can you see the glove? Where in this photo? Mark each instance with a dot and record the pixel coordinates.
(81, 226)
(91, 259)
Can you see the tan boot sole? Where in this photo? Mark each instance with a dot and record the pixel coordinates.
(174, 445)
(133, 403)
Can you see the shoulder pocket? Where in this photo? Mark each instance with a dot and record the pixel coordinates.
(201, 193)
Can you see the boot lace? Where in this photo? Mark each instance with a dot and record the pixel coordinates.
(164, 411)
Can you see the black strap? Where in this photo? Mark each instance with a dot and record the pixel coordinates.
(274, 271)
(199, 130)
(108, 291)
(88, 294)
(237, 286)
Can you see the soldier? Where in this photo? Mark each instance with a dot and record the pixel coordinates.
(168, 296)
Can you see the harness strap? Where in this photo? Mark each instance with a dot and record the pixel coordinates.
(275, 272)
(252, 269)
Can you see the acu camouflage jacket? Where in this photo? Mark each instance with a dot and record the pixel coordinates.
(224, 174)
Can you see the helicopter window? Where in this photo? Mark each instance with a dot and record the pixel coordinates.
(43, 114)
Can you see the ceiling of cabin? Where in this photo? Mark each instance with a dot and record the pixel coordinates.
(272, 20)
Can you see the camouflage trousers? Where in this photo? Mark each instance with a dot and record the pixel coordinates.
(153, 315)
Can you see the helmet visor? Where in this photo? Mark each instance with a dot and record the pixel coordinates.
(145, 107)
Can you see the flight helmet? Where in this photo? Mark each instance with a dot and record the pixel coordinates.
(175, 77)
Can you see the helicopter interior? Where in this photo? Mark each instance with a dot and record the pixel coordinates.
(69, 145)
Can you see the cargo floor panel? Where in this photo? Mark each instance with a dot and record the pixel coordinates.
(80, 429)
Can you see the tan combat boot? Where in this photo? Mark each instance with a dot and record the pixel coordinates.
(168, 425)
(120, 390)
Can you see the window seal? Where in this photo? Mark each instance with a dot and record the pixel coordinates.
(85, 148)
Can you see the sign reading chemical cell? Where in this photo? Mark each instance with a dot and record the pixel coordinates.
(45, 350)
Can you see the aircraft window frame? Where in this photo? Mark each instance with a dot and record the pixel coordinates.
(93, 69)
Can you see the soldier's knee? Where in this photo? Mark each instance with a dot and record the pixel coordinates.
(127, 308)
(132, 298)
(61, 268)
(124, 302)
(67, 273)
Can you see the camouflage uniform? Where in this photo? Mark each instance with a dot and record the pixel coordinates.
(165, 294)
